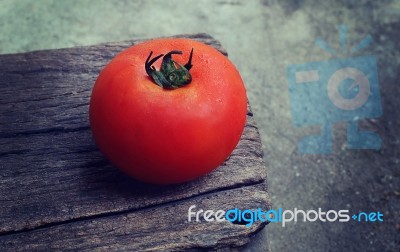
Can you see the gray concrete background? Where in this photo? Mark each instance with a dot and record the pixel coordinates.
(262, 37)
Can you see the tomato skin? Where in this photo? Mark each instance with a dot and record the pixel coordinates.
(164, 136)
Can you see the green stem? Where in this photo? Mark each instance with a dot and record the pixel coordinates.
(171, 74)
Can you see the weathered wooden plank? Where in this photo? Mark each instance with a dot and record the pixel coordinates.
(169, 222)
(52, 174)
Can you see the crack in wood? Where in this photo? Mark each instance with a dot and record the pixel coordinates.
(108, 214)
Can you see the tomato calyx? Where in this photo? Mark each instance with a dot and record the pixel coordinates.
(171, 75)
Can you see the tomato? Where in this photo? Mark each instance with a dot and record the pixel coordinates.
(175, 133)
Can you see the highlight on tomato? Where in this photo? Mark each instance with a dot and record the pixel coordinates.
(168, 111)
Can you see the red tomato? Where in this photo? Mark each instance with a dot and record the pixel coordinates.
(168, 135)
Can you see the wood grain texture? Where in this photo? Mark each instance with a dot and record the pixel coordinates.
(58, 191)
